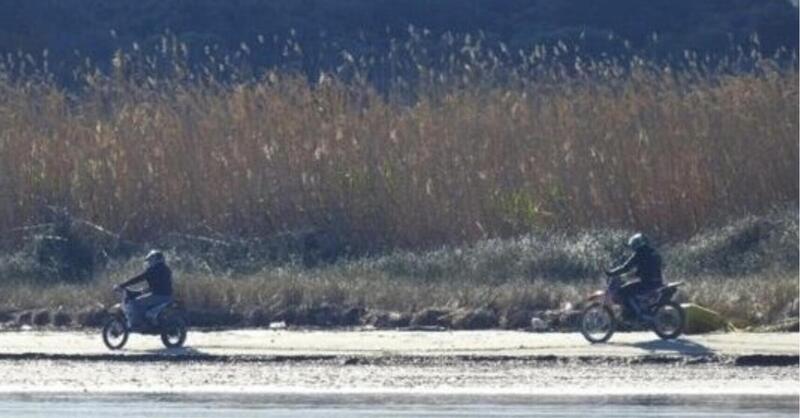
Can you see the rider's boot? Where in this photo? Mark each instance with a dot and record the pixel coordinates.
(641, 313)
(629, 310)
(151, 318)
(130, 312)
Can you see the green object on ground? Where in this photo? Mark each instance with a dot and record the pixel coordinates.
(701, 320)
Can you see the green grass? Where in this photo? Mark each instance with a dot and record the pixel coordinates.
(747, 271)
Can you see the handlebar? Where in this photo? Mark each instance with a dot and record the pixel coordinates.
(124, 291)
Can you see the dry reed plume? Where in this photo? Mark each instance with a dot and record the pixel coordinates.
(657, 149)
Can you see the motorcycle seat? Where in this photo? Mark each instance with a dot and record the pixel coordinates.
(658, 290)
(153, 312)
(670, 285)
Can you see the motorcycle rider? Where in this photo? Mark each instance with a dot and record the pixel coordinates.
(159, 282)
(647, 263)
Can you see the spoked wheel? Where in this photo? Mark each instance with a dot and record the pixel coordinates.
(597, 323)
(173, 331)
(115, 333)
(668, 320)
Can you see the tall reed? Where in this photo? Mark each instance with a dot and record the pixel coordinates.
(599, 144)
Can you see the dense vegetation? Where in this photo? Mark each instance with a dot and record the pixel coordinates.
(481, 155)
(747, 271)
(665, 151)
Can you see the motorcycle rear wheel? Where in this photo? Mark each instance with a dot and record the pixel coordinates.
(669, 320)
(598, 323)
(173, 331)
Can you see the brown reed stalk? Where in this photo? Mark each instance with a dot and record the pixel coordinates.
(654, 150)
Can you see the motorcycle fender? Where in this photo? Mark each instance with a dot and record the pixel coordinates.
(598, 295)
(667, 295)
(116, 309)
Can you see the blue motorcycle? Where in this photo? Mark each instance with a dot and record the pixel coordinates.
(168, 321)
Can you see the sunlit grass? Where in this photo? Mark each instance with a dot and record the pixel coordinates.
(751, 300)
(747, 271)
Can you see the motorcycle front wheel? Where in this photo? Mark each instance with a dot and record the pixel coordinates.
(115, 333)
(597, 323)
(668, 320)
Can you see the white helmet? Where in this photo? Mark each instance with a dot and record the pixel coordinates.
(637, 241)
(154, 257)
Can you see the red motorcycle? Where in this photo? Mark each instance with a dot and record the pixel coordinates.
(655, 310)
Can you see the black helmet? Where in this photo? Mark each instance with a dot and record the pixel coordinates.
(154, 257)
(638, 241)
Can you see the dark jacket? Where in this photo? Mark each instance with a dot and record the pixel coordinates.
(158, 277)
(647, 263)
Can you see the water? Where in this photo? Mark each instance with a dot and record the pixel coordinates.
(390, 405)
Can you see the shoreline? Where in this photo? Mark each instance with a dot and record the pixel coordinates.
(539, 394)
(484, 381)
(752, 360)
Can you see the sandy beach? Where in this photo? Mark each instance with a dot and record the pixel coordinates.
(466, 362)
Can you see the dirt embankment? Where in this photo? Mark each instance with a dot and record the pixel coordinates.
(321, 316)
(328, 316)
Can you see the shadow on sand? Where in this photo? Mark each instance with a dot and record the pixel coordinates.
(178, 355)
(176, 352)
(677, 346)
